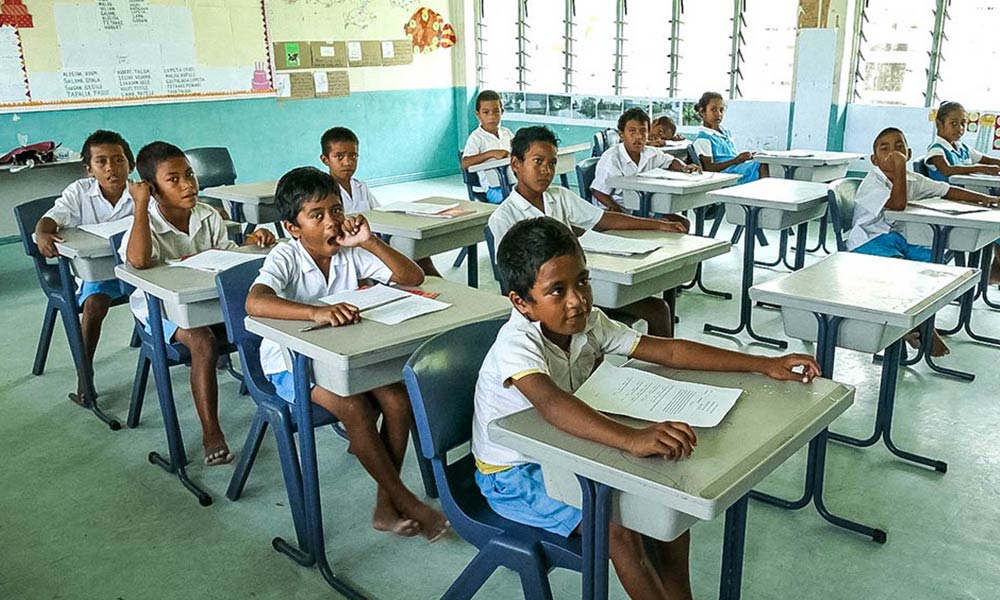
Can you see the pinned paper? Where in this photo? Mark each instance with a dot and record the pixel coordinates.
(292, 55)
(293, 58)
(388, 50)
(354, 51)
(302, 85)
(327, 51)
(329, 55)
(283, 85)
(321, 82)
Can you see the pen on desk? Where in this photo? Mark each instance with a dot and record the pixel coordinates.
(315, 326)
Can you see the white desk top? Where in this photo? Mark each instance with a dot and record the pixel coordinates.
(561, 152)
(678, 251)
(672, 186)
(771, 420)
(369, 342)
(259, 192)
(987, 219)
(819, 158)
(672, 145)
(80, 244)
(975, 180)
(418, 227)
(874, 289)
(772, 192)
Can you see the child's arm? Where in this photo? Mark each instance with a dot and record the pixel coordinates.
(941, 164)
(607, 201)
(625, 221)
(715, 167)
(261, 238)
(357, 233)
(989, 160)
(46, 236)
(964, 195)
(140, 239)
(678, 165)
(895, 170)
(684, 354)
(475, 159)
(262, 301)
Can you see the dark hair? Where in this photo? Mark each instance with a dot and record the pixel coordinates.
(102, 137)
(526, 136)
(886, 132)
(336, 134)
(633, 114)
(150, 157)
(664, 121)
(527, 246)
(946, 108)
(487, 96)
(301, 185)
(705, 99)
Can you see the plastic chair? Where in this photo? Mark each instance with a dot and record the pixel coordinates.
(585, 170)
(476, 193)
(920, 167)
(611, 137)
(441, 378)
(213, 166)
(600, 144)
(840, 202)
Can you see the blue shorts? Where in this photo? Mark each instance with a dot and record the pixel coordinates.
(109, 287)
(284, 385)
(169, 329)
(494, 195)
(748, 171)
(518, 494)
(894, 245)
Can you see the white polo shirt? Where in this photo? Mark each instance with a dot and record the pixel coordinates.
(292, 273)
(206, 230)
(873, 193)
(359, 199)
(559, 203)
(615, 162)
(83, 203)
(480, 141)
(520, 350)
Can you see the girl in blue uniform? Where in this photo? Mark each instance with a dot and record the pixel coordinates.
(716, 147)
(948, 155)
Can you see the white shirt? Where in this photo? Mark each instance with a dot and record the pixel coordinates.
(559, 203)
(292, 273)
(615, 162)
(520, 350)
(873, 193)
(480, 141)
(359, 199)
(206, 230)
(83, 203)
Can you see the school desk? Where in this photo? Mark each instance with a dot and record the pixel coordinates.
(821, 165)
(565, 164)
(984, 184)
(663, 499)
(677, 149)
(247, 202)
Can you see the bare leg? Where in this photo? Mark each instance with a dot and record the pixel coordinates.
(672, 565)
(655, 312)
(765, 170)
(200, 342)
(427, 265)
(95, 309)
(633, 566)
(995, 265)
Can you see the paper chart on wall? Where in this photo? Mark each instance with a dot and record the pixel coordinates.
(12, 85)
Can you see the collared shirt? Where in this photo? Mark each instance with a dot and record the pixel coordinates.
(83, 203)
(615, 162)
(292, 273)
(958, 154)
(869, 203)
(480, 141)
(520, 350)
(358, 199)
(720, 145)
(559, 203)
(206, 230)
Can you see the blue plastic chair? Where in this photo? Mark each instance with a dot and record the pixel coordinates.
(920, 167)
(476, 194)
(492, 248)
(599, 145)
(840, 204)
(441, 379)
(585, 171)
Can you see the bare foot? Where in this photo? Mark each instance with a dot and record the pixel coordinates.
(938, 347)
(217, 451)
(387, 518)
(995, 272)
(913, 339)
(433, 524)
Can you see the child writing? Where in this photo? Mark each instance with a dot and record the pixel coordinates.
(489, 141)
(329, 253)
(173, 226)
(551, 344)
(101, 197)
(716, 147)
(663, 129)
(533, 158)
(339, 147)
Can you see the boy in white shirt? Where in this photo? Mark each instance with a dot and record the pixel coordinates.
(551, 344)
(489, 141)
(173, 226)
(101, 197)
(330, 253)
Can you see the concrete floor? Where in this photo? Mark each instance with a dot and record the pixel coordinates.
(83, 515)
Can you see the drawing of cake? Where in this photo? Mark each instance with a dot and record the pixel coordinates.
(15, 13)
(261, 80)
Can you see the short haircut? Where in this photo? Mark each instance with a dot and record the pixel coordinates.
(946, 108)
(886, 132)
(487, 96)
(102, 137)
(526, 136)
(527, 246)
(705, 99)
(664, 121)
(336, 134)
(150, 157)
(633, 114)
(301, 185)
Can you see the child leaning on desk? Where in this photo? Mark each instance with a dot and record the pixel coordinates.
(489, 141)
(174, 226)
(552, 342)
(663, 129)
(716, 146)
(329, 253)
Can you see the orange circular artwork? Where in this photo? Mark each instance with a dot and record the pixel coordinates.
(428, 31)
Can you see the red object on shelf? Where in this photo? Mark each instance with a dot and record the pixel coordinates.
(15, 13)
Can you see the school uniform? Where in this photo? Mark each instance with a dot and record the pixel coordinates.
(481, 141)
(872, 232)
(206, 230)
(511, 483)
(721, 146)
(559, 203)
(958, 155)
(358, 199)
(292, 273)
(83, 203)
(615, 162)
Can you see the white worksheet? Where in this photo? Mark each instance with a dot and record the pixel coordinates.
(108, 229)
(602, 243)
(214, 261)
(417, 208)
(367, 298)
(948, 207)
(678, 175)
(404, 310)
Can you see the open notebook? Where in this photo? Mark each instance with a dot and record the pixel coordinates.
(108, 229)
(675, 175)
(387, 305)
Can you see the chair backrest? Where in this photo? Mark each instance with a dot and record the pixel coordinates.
(491, 247)
(600, 144)
(27, 216)
(212, 166)
(585, 170)
(840, 204)
(470, 183)
(920, 167)
(233, 286)
(612, 137)
(116, 243)
(693, 158)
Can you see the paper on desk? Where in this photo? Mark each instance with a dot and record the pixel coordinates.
(948, 207)
(366, 298)
(108, 229)
(677, 175)
(405, 309)
(416, 208)
(651, 397)
(602, 243)
(214, 261)
(785, 153)
(986, 176)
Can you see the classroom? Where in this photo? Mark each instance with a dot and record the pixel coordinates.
(391, 244)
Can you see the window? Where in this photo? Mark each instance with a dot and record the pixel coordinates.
(705, 47)
(768, 49)
(545, 46)
(969, 55)
(498, 43)
(896, 41)
(646, 48)
(594, 46)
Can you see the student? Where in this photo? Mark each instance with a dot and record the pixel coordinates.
(663, 129)
(890, 186)
(631, 156)
(339, 152)
(329, 253)
(173, 226)
(716, 147)
(552, 342)
(489, 141)
(533, 158)
(100, 197)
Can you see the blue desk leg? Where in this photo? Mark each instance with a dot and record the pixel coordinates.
(239, 218)
(165, 394)
(731, 580)
(645, 204)
(747, 282)
(596, 522)
(699, 230)
(969, 298)
(587, 529)
(473, 266)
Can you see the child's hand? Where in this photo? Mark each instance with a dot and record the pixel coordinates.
(140, 192)
(46, 243)
(261, 238)
(692, 169)
(336, 315)
(988, 169)
(354, 231)
(669, 439)
(894, 165)
(498, 154)
(742, 157)
(792, 367)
